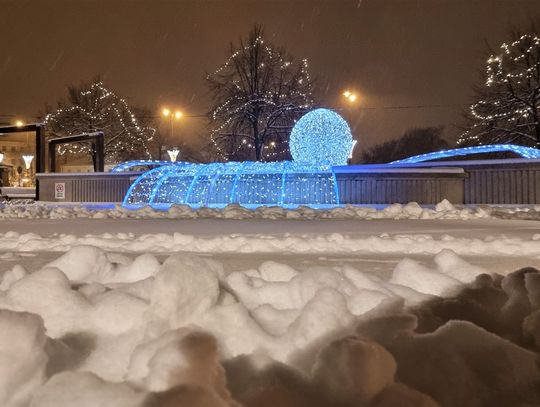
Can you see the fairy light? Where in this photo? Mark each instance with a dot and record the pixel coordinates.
(249, 183)
(309, 180)
(525, 152)
(102, 107)
(512, 80)
(321, 136)
(280, 106)
(135, 164)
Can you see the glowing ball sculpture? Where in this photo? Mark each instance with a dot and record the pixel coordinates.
(321, 136)
(320, 139)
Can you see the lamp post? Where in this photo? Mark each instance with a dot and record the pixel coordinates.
(172, 116)
(173, 154)
(350, 97)
(28, 158)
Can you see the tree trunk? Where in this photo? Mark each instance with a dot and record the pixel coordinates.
(256, 141)
(536, 128)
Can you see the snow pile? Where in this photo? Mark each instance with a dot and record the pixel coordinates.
(94, 328)
(245, 243)
(443, 210)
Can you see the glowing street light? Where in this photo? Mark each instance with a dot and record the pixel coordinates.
(28, 160)
(350, 96)
(171, 116)
(176, 115)
(173, 154)
(19, 123)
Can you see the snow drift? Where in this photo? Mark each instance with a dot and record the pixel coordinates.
(443, 210)
(95, 328)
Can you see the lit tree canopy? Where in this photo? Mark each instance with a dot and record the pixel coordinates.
(258, 95)
(91, 108)
(507, 107)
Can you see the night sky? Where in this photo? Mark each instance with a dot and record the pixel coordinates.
(155, 53)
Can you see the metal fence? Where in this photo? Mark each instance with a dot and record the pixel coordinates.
(502, 186)
(381, 188)
(469, 182)
(85, 187)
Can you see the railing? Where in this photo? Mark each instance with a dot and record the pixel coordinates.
(515, 181)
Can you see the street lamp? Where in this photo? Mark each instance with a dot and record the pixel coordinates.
(28, 160)
(173, 154)
(172, 116)
(19, 123)
(350, 96)
(176, 115)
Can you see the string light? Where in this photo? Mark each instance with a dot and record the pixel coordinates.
(525, 152)
(102, 111)
(320, 139)
(510, 112)
(321, 136)
(135, 164)
(249, 183)
(277, 106)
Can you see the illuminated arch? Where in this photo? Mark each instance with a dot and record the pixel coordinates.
(250, 184)
(525, 152)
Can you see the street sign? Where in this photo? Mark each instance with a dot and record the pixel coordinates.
(60, 190)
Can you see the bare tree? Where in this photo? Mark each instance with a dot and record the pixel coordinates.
(506, 108)
(413, 142)
(258, 95)
(92, 107)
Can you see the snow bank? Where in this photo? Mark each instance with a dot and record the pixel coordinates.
(22, 357)
(443, 210)
(243, 243)
(106, 329)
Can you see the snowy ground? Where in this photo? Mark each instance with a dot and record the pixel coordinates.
(395, 307)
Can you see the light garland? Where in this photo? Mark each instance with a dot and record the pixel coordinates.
(510, 110)
(99, 109)
(249, 183)
(525, 152)
(321, 136)
(135, 164)
(275, 107)
(320, 139)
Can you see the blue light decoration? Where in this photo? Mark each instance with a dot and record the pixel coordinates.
(321, 137)
(250, 184)
(525, 152)
(138, 164)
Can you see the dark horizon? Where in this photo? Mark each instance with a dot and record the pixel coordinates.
(413, 62)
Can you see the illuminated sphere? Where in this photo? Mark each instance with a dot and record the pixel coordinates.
(321, 137)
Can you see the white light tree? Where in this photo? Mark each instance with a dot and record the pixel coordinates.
(258, 95)
(507, 107)
(91, 108)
